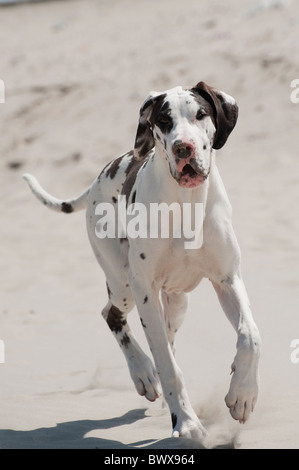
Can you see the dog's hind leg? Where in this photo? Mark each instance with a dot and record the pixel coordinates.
(142, 370)
(112, 255)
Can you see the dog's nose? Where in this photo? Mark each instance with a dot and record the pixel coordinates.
(182, 149)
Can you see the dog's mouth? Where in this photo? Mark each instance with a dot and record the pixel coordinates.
(191, 176)
(189, 171)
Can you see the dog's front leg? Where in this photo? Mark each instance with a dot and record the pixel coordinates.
(243, 391)
(185, 423)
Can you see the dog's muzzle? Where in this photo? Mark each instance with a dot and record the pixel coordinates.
(188, 172)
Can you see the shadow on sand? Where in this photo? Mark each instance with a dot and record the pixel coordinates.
(70, 435)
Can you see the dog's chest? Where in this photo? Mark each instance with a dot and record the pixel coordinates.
(179, 270)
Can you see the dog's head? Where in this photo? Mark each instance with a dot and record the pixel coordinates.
(185, 125)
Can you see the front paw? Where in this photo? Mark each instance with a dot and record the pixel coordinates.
(242, 395)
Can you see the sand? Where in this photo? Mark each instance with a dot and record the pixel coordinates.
(75, 74)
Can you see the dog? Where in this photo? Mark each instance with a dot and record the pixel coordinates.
(173, 161)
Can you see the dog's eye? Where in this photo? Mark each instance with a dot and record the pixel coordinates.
(163, 119)
(200, 114)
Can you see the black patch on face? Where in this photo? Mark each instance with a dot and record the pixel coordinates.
(205, 106)
(161, 117)
(115, 319)
(67, 208)
(174, 420)
(142, 256)
(125, 341)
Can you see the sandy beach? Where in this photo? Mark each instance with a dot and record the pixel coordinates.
(76, 73)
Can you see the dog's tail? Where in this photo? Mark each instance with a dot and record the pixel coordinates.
(58, 205)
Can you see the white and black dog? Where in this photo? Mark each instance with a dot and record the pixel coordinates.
(173, 162)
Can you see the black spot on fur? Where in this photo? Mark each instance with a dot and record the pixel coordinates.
(174, 420)
(125, 341)
(67, 208)
(111, 168)
(132, 162)
(131, 173)
(114, 199)
(142, 323)
(115, 319)
(142, 256)
(145, 299)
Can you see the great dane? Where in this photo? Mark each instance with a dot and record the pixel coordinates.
(173, 161)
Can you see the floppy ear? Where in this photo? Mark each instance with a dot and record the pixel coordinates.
(225, 111)
(144, 141)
